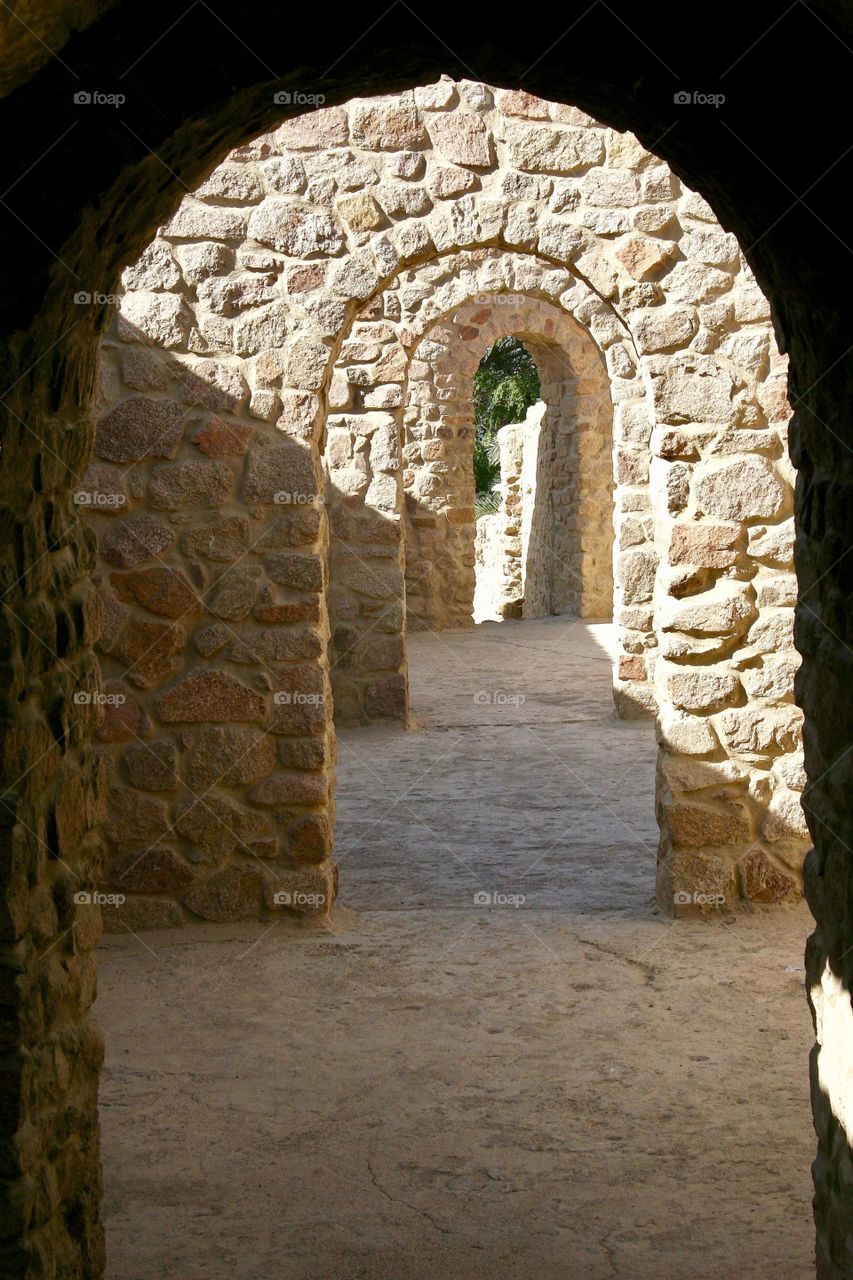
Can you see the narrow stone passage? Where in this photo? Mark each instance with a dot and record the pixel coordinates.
(429, 1085)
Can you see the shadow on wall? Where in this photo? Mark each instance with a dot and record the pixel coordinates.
(215, 724)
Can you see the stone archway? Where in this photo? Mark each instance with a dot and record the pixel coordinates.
(818, 461)
(253, 288)
(576, 391)
(370, 438)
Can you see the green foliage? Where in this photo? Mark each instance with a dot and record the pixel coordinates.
(505, 386)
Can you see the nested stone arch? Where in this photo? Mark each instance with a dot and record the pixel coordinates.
(375, 379)
(247, 293)
(575, 460)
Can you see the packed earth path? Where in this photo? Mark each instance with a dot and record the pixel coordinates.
(496, 1059)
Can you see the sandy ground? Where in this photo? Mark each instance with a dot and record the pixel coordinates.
(559, 1084)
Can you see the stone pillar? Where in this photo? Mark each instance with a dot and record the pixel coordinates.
(53, 797)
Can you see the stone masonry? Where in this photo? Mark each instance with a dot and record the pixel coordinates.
(295, 320)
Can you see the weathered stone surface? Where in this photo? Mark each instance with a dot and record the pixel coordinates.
(135, 818)
(446, 183)
(689, 735)
(387, 125)
(784, 817)
(299, 702)
(219, 439)
(309, 891)
(140, 427)
(695, 826)
(764, 882)
(149, 650)
(164, 591)
(386, 698)
(228, 539)
(161, 318)
(309, 839)
(361, 212)
(551, 149)
(232, 894)
(749, 489)
(135, 540)
(210, 696)
(727, 609)
(712, 546)
(232, 596)
(297, 230)
(138, 914)
(122, 716)
(644, 258)
(177, 485)
(282, 474)
(214, 384)
(197, 221)
(761, 731)
(637, 574)
(692, 882)
(664, 330)
(697, 689)
(215, 827)
(157, 870)
(229, 757)
(152, 766)
(282, 789)
(461, 138)
(693, 388)
(303, 573)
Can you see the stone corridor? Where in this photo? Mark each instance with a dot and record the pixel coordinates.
(426, 1086)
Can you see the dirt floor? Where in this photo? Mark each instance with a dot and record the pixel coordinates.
(556, 1084)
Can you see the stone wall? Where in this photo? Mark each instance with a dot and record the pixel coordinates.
(513, 544)
(286, 298)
